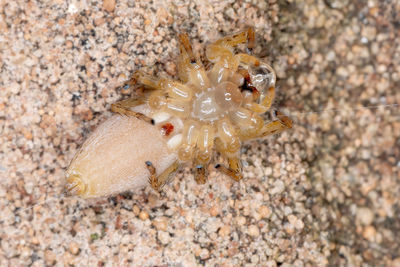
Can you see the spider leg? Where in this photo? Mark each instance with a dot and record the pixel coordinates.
(248, 59)
(124, 108)
(239, 38)
(148, 81)
(157, 182)
(234, 170)
(186, 48)
(221, 53)
(266, 101)
(200, 174)
(277, 126)
(177, 90)
(189, 67)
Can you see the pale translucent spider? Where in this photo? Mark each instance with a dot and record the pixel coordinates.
(211, 108)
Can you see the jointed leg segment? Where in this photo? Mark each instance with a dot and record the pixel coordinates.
(157, 182)
(186, 48)
(239, 38)
(274, 127)
(234, 170)
(200, 174)
(124, 108)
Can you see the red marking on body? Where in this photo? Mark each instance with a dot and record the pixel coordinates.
(167, 128)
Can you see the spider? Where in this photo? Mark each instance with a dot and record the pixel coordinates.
(213, 107)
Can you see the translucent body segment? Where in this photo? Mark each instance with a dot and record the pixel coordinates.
(206, 137)
(215, 53)
(223, 69)
(248, 122)
(247, 59)
(227, 134)
(263, 76)
(157, 100)
(185, 152)
(240, 116)
(205, 144)
(222, 56)
(190, 136)
(146, 80)
(177, 107)
(268, 97)
(265, 103)
(199, 78)
(225, 130)
(237, 79)
(248, 98)
(228, 96)
(177, 90)
(219, 73)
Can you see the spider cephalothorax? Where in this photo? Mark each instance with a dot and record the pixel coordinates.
(219, 106)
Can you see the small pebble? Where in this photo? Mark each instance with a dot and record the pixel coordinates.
(240, 220)
(136, 210)
(279, 187)
(224, 231)
(204, 254)
(161, 223)
(163, 237)
(50, 257)
(73, 248)
(253, 231)
(143, 215)
(365, 215)
(109, 5)
(369, 233)
(214, 210)
(264, 211)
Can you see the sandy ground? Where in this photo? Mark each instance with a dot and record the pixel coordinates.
(325, 193)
